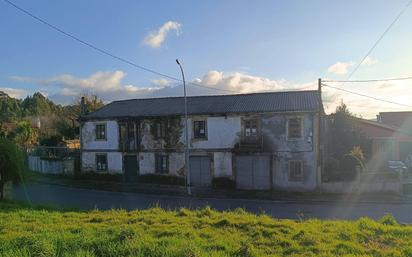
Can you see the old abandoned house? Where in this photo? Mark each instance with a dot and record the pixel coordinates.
(260, 141)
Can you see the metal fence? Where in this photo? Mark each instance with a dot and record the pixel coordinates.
(54, 160)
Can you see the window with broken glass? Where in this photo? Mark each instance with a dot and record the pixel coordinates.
(251, 128)
(101, 162)
(199, 129)
(162, 164)
(100, 131)
(295, 128)
(295, 170)
(160, 129)
(128, 136)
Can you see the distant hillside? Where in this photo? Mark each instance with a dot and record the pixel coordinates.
(57, 121)
(12, 109)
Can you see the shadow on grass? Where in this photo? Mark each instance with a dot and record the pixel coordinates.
(13, 205)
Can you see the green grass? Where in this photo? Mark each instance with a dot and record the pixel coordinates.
(44, 231)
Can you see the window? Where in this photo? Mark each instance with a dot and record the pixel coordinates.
(295, 128)
(162, 163)
(295, 170)
(101, 162)
(128, 132)
(199, 129)
(251, 127)
(101, 132)
(160, 129)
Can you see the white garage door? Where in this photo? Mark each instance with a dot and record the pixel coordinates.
(200, 174)
(253, 172)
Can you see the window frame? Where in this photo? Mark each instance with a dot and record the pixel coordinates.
(288, 128)
(195, 136)
(293, 177)
(245, 121)
(163, 158)
(162, 129)
(97, 162)
(96, 131)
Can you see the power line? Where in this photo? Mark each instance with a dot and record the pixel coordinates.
(370, 80)
(379, 39)
(372, 97)
(105, 52)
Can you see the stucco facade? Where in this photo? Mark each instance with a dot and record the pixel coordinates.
(259, 141)
(220, 147)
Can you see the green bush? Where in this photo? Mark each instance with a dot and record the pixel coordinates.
(12, 163)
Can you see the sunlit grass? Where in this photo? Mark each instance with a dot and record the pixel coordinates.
(43, 231)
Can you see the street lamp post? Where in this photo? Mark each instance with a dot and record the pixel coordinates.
(187, 168)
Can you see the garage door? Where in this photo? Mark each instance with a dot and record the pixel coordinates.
(200, 174)
(253, 172)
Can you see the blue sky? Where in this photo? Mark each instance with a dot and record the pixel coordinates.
(243, 46)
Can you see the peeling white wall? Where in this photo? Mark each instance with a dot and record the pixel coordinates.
(222, 164)
(146, 163)
(280, 168)
(222, 132)
(89, 141)
(176, 163)
(114, 162)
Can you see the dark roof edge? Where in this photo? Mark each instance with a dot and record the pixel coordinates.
(85, 118)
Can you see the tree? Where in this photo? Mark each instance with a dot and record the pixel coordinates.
(2, 131)
(12, 164)
(39, 105)
(92, 102)
(10, 109)
(343, 135)
(24, 135)
(346, 145)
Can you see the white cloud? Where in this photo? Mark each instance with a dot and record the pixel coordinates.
(155, 39)
(109, 85)
(370, 61)
(240, 82)
(395, 91)
(14, 92)
(340, 68)
(160, 82)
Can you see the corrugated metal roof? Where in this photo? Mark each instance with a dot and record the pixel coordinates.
(288, 101)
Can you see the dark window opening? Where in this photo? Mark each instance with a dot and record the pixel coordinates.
(295, 170)
(101, 162)
(295, 128)
(128, 136)
(160, 130)
(199, 129)
(162, 164)
(251, 128)
(101, 132)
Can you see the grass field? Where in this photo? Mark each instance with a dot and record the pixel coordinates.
(26, 231)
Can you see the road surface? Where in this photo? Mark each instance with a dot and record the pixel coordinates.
(88, 199)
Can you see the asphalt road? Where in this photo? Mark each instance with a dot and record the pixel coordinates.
(89, 199)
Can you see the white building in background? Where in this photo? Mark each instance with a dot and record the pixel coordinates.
(259, 141)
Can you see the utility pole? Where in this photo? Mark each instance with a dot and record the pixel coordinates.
(319, 148)
(187, 168)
